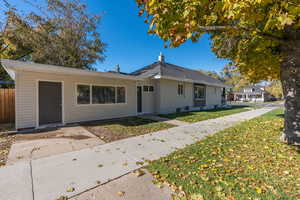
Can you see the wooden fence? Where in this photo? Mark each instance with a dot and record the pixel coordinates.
(7, 105)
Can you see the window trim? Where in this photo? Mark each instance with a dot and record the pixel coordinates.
(152, 87)
(148, 91)
(183, 89)
(104, 103)
(76, 92)
(91, 94)
(144, 86)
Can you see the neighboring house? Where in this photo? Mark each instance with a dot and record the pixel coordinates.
(253, 93)
(49, 95)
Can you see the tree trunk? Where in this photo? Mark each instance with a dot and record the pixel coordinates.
(290, 78)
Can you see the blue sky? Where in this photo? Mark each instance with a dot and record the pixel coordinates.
(130, 46)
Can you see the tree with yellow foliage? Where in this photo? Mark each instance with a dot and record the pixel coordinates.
(275, 89)
(261, 37)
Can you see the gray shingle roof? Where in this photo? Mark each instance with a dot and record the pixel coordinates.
(167, 70)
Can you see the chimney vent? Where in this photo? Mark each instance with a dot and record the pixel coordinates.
(117, 69)
(161, 57)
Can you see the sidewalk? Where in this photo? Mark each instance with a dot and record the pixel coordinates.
(49, 178)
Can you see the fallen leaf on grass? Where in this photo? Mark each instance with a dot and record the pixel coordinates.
(258, 190)
(197, 197)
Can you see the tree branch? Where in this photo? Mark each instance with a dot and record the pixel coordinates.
(226, 28)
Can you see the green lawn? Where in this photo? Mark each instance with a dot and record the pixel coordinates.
(205, 115)
(123, 128)
(243, 162)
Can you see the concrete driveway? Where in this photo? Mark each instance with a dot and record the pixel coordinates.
(51, 177)
(52, 142)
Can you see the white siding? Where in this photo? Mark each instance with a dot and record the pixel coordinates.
(169, 99)
(164, 99)
(213, 96)
(26, 98)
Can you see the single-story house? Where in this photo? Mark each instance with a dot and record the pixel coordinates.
(253, 93)
(49, 95)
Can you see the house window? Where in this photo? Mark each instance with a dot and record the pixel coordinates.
(151, 89)
(103, 94)
(180, 89)
(199, 92)
(148, 88)
(83, 94)
(100, 94)
(121, 95)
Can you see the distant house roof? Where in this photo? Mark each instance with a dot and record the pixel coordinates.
(170, 71)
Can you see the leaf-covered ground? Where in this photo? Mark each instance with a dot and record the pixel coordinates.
(243, 162)
(205, 115)
(5, 141)
(6, 127)
(123, 128)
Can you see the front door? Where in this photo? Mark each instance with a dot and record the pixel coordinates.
(50, 102)
(139, 99)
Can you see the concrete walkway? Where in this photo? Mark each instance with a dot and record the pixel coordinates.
(72, 173)
(129, 187)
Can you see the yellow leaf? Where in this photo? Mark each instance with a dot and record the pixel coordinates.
(258, 190)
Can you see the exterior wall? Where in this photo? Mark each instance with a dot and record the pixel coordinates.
(213, 96)
(164, 99)
(169, 99)
(26, 98)
(148, 98)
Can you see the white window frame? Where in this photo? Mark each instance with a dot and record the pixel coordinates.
(183, 89)
(148, 91)
(76, 92)
(91, 94)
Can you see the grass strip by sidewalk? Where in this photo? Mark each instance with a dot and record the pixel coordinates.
(117, 129)
(197, 116)
(243, 162)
